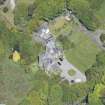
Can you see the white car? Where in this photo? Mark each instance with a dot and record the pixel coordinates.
(78, 80)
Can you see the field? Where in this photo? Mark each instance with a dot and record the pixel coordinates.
(78, 48)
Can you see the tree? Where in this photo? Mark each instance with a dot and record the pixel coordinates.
(66, 43)
(84, 12)
(55, 96)
(25, 102)
(94, 97)
(34, 98)
(95, 4)
(101, 58)
(97, 71)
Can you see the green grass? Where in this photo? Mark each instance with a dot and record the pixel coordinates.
(16, 83)
(71, 72)
(83, 55)
(78, 48)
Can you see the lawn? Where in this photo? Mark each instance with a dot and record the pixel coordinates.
(83, 55)
(78, 48)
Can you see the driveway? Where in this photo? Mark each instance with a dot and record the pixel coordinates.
(66, 67)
